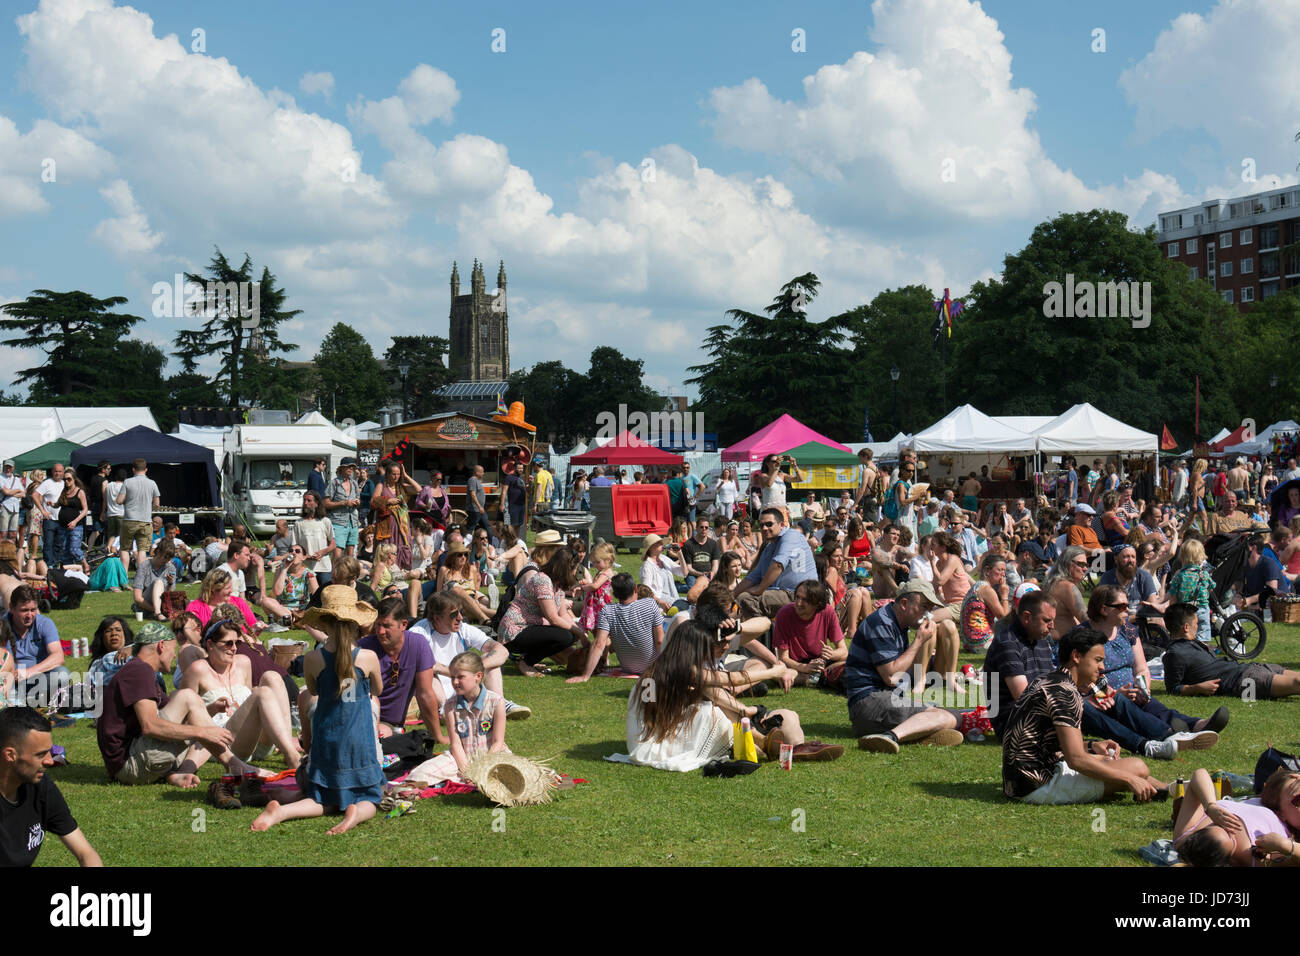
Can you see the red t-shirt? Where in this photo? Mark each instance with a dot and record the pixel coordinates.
(860, 548)
(118, 725)
(805, 639)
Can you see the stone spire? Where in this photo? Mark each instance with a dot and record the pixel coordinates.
(455, 280)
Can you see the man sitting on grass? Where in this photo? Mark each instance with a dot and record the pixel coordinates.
(1192, 669)
(153, 578)
(145, 735)
(807, 638)
(1044, 757)
(882, 711)
(1019, 655)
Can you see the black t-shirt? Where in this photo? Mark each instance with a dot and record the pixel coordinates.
(1191, 662)
(1012, 655)
(40, 809)
(700, 557)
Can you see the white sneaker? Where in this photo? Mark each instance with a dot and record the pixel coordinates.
(274, 627)
(1161, 749)
(1190, 740)
(517, 711)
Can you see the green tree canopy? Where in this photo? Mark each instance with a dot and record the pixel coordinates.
(765, 365)
(428, 373)
(351, 379)
(226, 333)
(79, 337)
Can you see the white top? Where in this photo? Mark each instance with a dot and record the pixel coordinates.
(706, 737)
(239, 585)
(49, 489)
(312, 534)
(658, 575)
(447, 646)
(921, 570)
(13, 482)
(239, 694)
(773, 496)
(726, 492)
(111, 490)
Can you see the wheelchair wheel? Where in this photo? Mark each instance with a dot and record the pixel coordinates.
(1242, 636)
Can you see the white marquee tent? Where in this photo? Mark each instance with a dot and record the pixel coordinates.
(1085, 430)
(28, 427)
(967, 430)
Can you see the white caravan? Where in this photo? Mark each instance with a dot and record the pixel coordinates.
(264, 469)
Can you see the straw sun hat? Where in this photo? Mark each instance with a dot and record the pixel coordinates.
(339, 602)
(510, 780)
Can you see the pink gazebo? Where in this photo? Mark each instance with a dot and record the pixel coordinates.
(775, 438)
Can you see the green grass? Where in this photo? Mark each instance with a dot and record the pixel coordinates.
(926, 806)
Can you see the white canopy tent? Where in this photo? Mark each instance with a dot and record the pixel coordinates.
(1086, 430)
(1025, 423)
(967, 430)
(881, 449)
(30, 426)
(337, 435)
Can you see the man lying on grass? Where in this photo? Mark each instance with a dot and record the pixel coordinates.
(1044, 757)
(1191, 667)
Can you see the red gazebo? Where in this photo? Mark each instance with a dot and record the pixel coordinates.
(626, 449)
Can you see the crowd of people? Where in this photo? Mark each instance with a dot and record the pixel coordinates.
(414, 616)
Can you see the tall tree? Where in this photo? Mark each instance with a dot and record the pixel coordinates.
(765, 365)
(78, 335)
(272, 384)
(428, 373)
(1012, 359)
(225, 332)
(612, 380)
(351, 379)
(549, 391)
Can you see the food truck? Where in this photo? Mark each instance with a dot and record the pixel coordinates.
(453, 443)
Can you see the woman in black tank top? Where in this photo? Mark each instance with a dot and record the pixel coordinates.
(72, 511)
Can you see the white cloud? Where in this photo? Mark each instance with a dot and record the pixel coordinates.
(929, 128)
(129, 233)
(34, 165)
(314, 83)
(278, 171)
(1233, 74)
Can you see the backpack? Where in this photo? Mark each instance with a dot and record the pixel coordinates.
(890, 508)
(1271, 760)
(507, 598)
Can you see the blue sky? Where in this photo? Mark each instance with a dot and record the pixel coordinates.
(768, 162)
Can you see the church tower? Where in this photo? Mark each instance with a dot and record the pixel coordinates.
(480, 338)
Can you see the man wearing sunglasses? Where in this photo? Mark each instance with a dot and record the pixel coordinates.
(785, 560)
(406, 664)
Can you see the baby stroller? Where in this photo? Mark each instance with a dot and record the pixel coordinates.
(1240, 634)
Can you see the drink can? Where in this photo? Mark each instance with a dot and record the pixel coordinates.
(787, 756)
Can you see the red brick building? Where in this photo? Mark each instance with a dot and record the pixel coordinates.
(1237, 245)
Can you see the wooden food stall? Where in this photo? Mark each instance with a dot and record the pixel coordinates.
(453, 443)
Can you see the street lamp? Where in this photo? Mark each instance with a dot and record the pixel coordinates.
(1272, 382)
(893, 377)
(403, 368)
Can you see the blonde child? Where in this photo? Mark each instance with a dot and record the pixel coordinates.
(597, 591)
(342, 771)
(475, 715)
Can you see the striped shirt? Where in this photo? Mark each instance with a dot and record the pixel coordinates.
(631, 632)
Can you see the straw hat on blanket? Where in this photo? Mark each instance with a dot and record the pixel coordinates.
(510, 780)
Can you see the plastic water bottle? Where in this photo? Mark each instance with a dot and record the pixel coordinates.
(1268, 613)
(494, 592)
(974, 736)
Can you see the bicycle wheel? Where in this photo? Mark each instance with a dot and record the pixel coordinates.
(1242, 636)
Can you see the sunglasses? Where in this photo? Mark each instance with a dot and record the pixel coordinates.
(1080, 564)
(225, 643)
(1118, 607)
(767, 524)
(395, 670)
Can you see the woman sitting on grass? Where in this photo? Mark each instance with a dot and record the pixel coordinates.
(110, 648)
(11, 575)
(342, 773)
(1259, 831)
(539, 623)
(678, 720)
(459, 578)
(513, 556)
(257, 716)
(217, 589)
(733, 543)
(851, 604)
(189, 644)
(294, 584)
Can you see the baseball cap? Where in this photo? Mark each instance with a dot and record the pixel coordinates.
(1086, 509)
(922, 588)
(153, 632)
